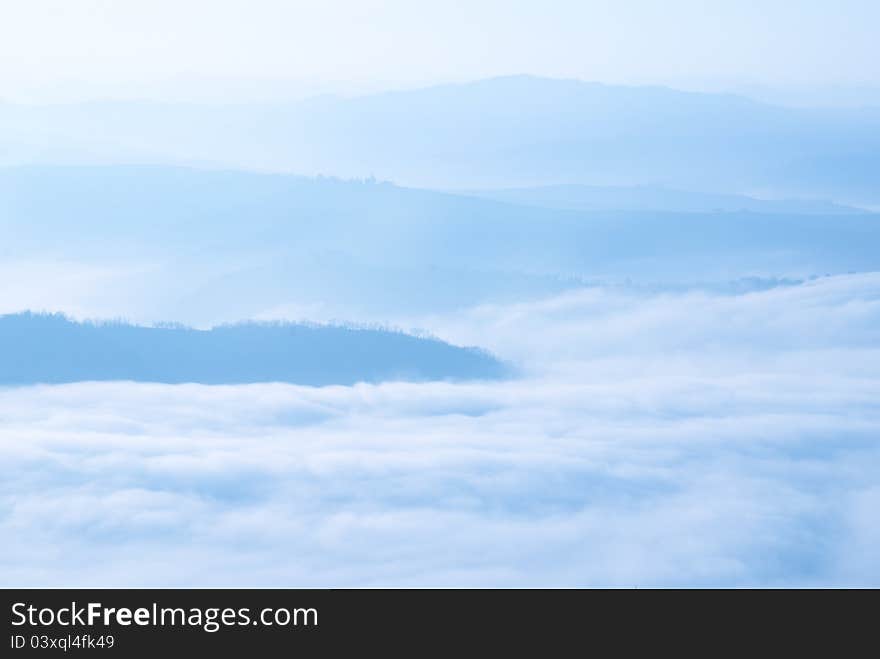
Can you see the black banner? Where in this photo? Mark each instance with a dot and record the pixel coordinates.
(135, 623)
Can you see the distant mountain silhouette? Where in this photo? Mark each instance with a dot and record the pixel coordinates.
(222, 217)
(39, 348)
(503, 132)
(650, 198)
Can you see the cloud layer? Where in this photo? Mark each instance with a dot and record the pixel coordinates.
(688, 439)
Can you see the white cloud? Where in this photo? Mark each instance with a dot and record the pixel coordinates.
(657, 440)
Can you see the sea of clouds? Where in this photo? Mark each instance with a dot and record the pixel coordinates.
(662, 439)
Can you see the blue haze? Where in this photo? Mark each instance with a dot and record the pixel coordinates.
(237, 244)
(501, 132)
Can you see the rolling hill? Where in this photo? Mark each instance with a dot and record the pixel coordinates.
(40, 348)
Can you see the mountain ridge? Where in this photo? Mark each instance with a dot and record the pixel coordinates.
(50, 348)
(513, 131)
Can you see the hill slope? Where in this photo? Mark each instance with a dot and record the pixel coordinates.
(208, 247)
(502, 132)
(52, 349)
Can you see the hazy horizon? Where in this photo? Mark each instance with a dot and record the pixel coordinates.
(238, 50)
(207, 90)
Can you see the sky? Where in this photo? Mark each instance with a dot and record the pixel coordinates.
(94, 46)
